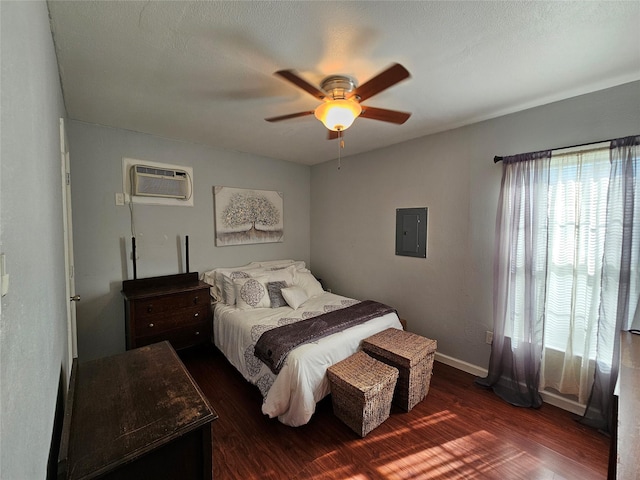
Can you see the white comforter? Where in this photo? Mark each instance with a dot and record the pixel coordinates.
(292, 394)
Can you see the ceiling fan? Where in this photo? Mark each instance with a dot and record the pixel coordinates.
(342, 99)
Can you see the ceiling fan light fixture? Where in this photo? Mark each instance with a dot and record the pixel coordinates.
(338, 115)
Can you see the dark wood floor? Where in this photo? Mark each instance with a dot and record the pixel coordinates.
(459, 431)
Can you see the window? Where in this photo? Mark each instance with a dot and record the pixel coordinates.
(566, 273)
(577, 214)
(571, 224)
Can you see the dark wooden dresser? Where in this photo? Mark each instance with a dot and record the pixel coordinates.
(624, 462)
(176, 308)
(136, 415)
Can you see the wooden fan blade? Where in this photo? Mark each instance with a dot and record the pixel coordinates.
(384, 115)
(392, 75)
(293, 77)
(287, 117)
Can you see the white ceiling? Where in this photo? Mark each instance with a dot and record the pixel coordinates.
(202, 72)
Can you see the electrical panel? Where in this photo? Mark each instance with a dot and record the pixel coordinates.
(411, 232)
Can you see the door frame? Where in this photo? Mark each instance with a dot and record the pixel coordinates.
(70, 287)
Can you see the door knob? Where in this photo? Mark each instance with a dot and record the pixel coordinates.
(75, 298)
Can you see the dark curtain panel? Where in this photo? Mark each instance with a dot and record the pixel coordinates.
(519, 280)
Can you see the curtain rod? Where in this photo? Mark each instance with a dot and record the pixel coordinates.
(497, 159)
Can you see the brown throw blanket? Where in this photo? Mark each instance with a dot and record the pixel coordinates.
(274, 345)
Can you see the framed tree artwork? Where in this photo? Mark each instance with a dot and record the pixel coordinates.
(246, 216)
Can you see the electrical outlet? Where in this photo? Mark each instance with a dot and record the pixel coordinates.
(488, 338)
(119, 199)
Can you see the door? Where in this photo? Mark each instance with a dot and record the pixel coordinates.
(71, 297)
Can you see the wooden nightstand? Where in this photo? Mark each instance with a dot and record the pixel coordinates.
(176, 308)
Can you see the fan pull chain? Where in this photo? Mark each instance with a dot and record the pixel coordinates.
(340, 147)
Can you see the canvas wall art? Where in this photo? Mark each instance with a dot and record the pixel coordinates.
(245, 216)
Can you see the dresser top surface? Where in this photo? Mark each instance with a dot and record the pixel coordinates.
(165, 285)
(134, 402)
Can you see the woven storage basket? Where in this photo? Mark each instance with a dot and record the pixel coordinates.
(412, 355)
(362, 391)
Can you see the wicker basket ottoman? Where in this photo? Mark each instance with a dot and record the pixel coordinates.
(412, 355)
(362, 391)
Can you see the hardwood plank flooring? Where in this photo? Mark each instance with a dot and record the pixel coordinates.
(460, 431)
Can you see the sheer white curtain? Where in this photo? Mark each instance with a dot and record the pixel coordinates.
(620, 295)
(519, 280)
(577, 217)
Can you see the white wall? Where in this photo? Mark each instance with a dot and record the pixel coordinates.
(33, 339)
(102, 231)
(447, 296)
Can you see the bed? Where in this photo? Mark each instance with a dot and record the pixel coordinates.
(252, 299)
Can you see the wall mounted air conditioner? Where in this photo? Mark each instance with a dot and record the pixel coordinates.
(149, 181)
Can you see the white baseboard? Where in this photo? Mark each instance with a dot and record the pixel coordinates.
(461, 365)
(563, 403)
(547, 397)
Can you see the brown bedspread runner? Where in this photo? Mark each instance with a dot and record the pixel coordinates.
(274, 345)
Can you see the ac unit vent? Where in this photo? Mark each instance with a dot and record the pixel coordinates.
(159, 182)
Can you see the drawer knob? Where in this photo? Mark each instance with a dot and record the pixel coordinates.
(151, 325)
(195, 300)
(197, 333)
(149, 309)
(196, 314)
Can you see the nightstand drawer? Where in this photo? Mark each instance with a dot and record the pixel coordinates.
(160, 322)
(180, 337)
(145, 307)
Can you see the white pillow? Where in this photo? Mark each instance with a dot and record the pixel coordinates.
(308, 282)
(275, 264)
(222, 282)
(252, 293)
(300, 265)
(277, 275)
(209, 278)
(271, 263)
(227, 280)
(295, 296)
